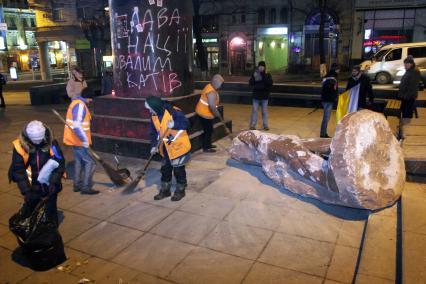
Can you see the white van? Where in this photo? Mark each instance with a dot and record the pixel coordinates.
(384, 65)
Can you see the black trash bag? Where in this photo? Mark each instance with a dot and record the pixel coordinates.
(38, 237)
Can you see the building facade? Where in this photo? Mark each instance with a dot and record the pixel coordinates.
(377, 23)
(239, 34)
(18, 47)
(68, 32)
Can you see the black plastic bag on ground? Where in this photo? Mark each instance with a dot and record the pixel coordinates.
(38, 237)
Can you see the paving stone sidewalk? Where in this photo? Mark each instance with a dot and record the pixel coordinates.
(234, 225)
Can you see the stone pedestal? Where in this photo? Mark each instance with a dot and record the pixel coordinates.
(152, 50)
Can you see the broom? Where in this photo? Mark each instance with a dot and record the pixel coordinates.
(132, 186)
(119, 178)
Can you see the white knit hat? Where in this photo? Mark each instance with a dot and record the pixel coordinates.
(35, 131)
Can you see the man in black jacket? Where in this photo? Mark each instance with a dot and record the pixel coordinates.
(329, 92)
(261, 83)
(37, 167)
(408, 89)
(365, 88)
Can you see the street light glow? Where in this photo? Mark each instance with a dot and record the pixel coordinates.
(276, 31)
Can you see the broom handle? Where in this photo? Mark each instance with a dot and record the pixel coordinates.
(152, 155)
(93, 153)
(228, 132)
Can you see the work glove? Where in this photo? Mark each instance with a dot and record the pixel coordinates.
(85, 144)
(154, 150)
(171, 124)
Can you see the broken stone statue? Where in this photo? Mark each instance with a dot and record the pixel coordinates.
(365, 167)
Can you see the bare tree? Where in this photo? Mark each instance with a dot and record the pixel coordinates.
(201, 51)
(323, 12)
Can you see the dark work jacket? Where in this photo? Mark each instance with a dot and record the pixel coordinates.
(38, 156)
(365, 90)
(262, 88)
(409, 84)
(330, 87)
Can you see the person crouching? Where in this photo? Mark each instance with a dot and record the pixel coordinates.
(170, 139)
(37, 167)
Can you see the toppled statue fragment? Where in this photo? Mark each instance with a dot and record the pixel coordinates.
(365, 168)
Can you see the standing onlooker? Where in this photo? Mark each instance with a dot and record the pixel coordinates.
(365, 88)
(107, 82)
(76, 84)
(207, 110)
(3, 81)
(329, 92)
(409, 87)
(261, 83)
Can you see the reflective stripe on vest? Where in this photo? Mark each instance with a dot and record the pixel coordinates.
(70, 138)
(202, 108)
(180, 144)
(25, 156)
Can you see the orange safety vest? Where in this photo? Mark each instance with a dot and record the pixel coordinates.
(70, 138)
(180, 145)
(202, 108)
(21, 151)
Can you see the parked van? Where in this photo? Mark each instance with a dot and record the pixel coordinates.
(384, 65)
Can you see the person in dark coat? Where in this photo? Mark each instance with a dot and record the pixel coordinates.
(365, 88)
(3, 82)
(408, 89)
(261, 83)
(107, 82)
(37, 167)
(329, 93)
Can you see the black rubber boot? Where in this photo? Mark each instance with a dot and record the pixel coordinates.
(179, 192)
(164, 191)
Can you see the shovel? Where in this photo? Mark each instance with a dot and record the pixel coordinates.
(118, 177)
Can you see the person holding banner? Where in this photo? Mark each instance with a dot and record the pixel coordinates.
(329, 92)
(365, 88)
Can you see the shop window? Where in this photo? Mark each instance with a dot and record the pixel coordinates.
(417, 52)
(58, 14)
(272, 16)
(33, 24)
(284, 15)
(395, 54)
(261, 16)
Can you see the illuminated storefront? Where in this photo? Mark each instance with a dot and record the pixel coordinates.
(272, 47)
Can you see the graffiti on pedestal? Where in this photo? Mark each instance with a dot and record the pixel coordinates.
(152, 47)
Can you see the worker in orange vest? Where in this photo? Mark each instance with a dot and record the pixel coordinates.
(207, 110)
(170, 124)
(37, 167)
(78, 118)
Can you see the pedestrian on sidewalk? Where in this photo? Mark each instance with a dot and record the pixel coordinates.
(107, 82)
(207, 110)
(76, 84)
(37, 167)
(261, 83)
(408, 89)
(78, 118)
(3, 81)
(329, 93)
(169, 122)
(365, 88)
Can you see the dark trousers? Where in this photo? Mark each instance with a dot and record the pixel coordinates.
(208, 130)
(407, 108)
(2, 103)
(167, 170)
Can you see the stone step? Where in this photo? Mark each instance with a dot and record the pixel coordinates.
(377, 262)
(140, 148)
(414, 233)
